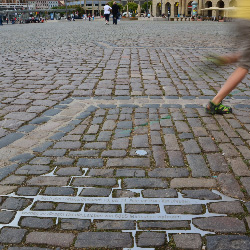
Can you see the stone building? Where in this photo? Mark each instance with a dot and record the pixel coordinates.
(12, 4)
(42, 4)
(184, 7)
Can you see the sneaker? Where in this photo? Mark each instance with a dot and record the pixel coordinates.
(212, 109)
(218, 60)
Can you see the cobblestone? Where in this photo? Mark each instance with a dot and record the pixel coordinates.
(12, 235)
(220, 224)
(6, 216)
(228, 242)
(75, 224)
(229, 207)
(115, 225)
(103, 239)
(32, 222)
(161, 225)
(73, 114)
(148, 239)
(54, 239)
(188, 241)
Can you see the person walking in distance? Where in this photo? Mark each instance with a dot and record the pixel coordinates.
(115, 10)
(242, 14)
(107, 10)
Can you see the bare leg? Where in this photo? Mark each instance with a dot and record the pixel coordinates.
(232, 82)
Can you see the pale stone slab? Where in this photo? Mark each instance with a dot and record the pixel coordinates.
(192, 183)
(48, 181)
(7, 189)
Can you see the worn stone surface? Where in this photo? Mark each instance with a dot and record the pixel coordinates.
(33, 222)
(224, 242)
(48, 181)
(188, 241)
(48, 238)
(142, 208)
(229, 185)
(220, 224)
(149, 239)
(227, 207)
(164, 225)
(184, 209)
(92, 182)
(145, 183)
(75, 224)
(33, 170)
(202, 194)
(12, 235)
(192, 183)
(115, 225)
(103, 239)
(6, 216)
(15, 203)
(59, 191)
(102, 208)
(159, 193)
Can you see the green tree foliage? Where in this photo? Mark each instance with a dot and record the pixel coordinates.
(58, 7)
(131, 6)
(77, 8)
(144, 6)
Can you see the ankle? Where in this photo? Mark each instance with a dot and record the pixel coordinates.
(215, 102)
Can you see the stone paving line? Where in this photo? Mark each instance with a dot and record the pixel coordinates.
(76, 112)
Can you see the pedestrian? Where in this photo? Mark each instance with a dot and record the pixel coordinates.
(115, 10)
(93, 17)
(242, 14)
(107, 10)
(7, 20)
(89, 17)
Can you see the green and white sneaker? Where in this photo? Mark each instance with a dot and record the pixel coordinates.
(221, 109)
(217, 60)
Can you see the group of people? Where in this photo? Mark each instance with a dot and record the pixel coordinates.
(115, 12)
(89, 17)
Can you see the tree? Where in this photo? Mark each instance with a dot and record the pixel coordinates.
(76, 8)
(131, 6)
(79, 9)
(144, 6)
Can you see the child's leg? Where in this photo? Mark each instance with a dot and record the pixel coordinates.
(237, 76)
(215, 106)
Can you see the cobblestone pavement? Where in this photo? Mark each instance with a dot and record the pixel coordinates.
(104, 142)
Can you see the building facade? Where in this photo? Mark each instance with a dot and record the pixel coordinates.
(52, 3)
(42, 4)
(184, 7)
(30, 4)
(13, 4)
